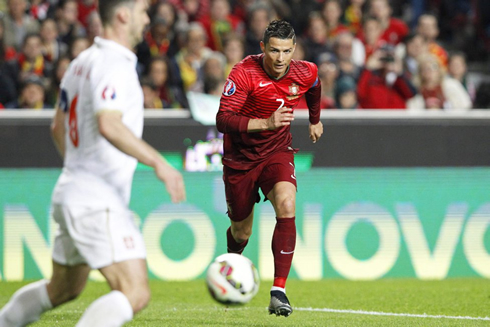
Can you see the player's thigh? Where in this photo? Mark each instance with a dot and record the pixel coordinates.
(241, 191)
(131, 278)
(67, 282)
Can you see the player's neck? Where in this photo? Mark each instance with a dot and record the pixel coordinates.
(117, 35)
(269, 73)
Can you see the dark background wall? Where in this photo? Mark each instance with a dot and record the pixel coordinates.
(372, 142)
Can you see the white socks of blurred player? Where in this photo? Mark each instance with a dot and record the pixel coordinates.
(110, 310)
(26, 305)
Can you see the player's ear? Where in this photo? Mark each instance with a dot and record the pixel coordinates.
(262, 46)
(123, 14)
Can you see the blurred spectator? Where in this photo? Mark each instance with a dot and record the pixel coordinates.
(52, 48)
(39, 9)
(220, 23)
(193, 10)
(428, 28)
(415, 46)
(68, 25)
(300, 51)
(6, 52)
(331, 13)
(328, 72)
(437, 90)
(18, 24)
(171, 94)
(158, 41)
(234, 51)
(53, 91)
(352, 18)
(77, 46)
(84, 9)
(345, 93)
(458, 70)
(316, 39)
(191, 57)
(151, 98)
(371, 35)
(214, 66)
(94, 26)
(29, 62)
(382, 85)
(31, 96)
(259, 17)
(213, 85)
(482, 97)
(350, 54)
(300, 10)
(393, 30)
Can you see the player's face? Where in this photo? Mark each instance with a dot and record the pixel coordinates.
(278, 55)
(139, 21)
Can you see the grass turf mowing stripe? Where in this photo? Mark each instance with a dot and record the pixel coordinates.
(375, 313)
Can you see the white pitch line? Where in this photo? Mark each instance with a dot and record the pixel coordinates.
(375, 313)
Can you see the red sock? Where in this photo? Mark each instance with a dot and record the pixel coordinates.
(283, 244)
(234, 246)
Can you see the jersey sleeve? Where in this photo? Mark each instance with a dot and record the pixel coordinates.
(233, 98)
(110, 90)
(313, 96)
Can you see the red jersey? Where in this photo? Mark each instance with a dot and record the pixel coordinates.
(249, 93)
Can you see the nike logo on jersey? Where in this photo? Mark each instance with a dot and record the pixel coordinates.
(262, 84)
(283, 252)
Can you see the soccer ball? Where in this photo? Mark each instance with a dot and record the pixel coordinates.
(232, 279)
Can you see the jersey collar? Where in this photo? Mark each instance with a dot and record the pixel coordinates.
(109, 44)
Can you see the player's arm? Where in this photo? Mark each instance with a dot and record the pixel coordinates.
(313, 97)
(58, 130)
(113, 129)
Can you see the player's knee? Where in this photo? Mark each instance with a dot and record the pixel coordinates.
(286, 207)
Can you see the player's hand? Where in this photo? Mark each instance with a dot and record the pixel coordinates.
(281, 117)
(174, 182)
(316, 131)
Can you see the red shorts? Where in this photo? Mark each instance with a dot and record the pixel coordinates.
(242, 186)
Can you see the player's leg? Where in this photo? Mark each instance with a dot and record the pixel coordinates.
(278, 181)
(239, 233)
(130, 294)
(283, 199)
(241, 195)
(29, 302)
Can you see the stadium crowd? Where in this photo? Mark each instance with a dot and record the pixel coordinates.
(371, 54)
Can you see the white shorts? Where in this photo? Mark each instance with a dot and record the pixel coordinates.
(98, 237)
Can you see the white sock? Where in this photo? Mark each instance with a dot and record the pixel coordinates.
(110, 310)
(276, 288)
(26, 305)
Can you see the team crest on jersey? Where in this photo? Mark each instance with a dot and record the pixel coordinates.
(109, 93)
(229, 88)
(293, 91)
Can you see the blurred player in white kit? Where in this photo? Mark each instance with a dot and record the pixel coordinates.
(97, 128)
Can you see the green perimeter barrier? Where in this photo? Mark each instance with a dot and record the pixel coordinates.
(353, 223)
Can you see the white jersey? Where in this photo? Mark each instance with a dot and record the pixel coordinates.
(96, 173)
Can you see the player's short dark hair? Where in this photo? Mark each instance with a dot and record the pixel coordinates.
(280, 29)
(107, 8)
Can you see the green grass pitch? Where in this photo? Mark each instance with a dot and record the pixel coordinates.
(387, 302)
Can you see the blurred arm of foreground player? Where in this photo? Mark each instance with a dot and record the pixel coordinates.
(113, 129)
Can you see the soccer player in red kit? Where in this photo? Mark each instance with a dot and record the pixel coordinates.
(255, 114)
